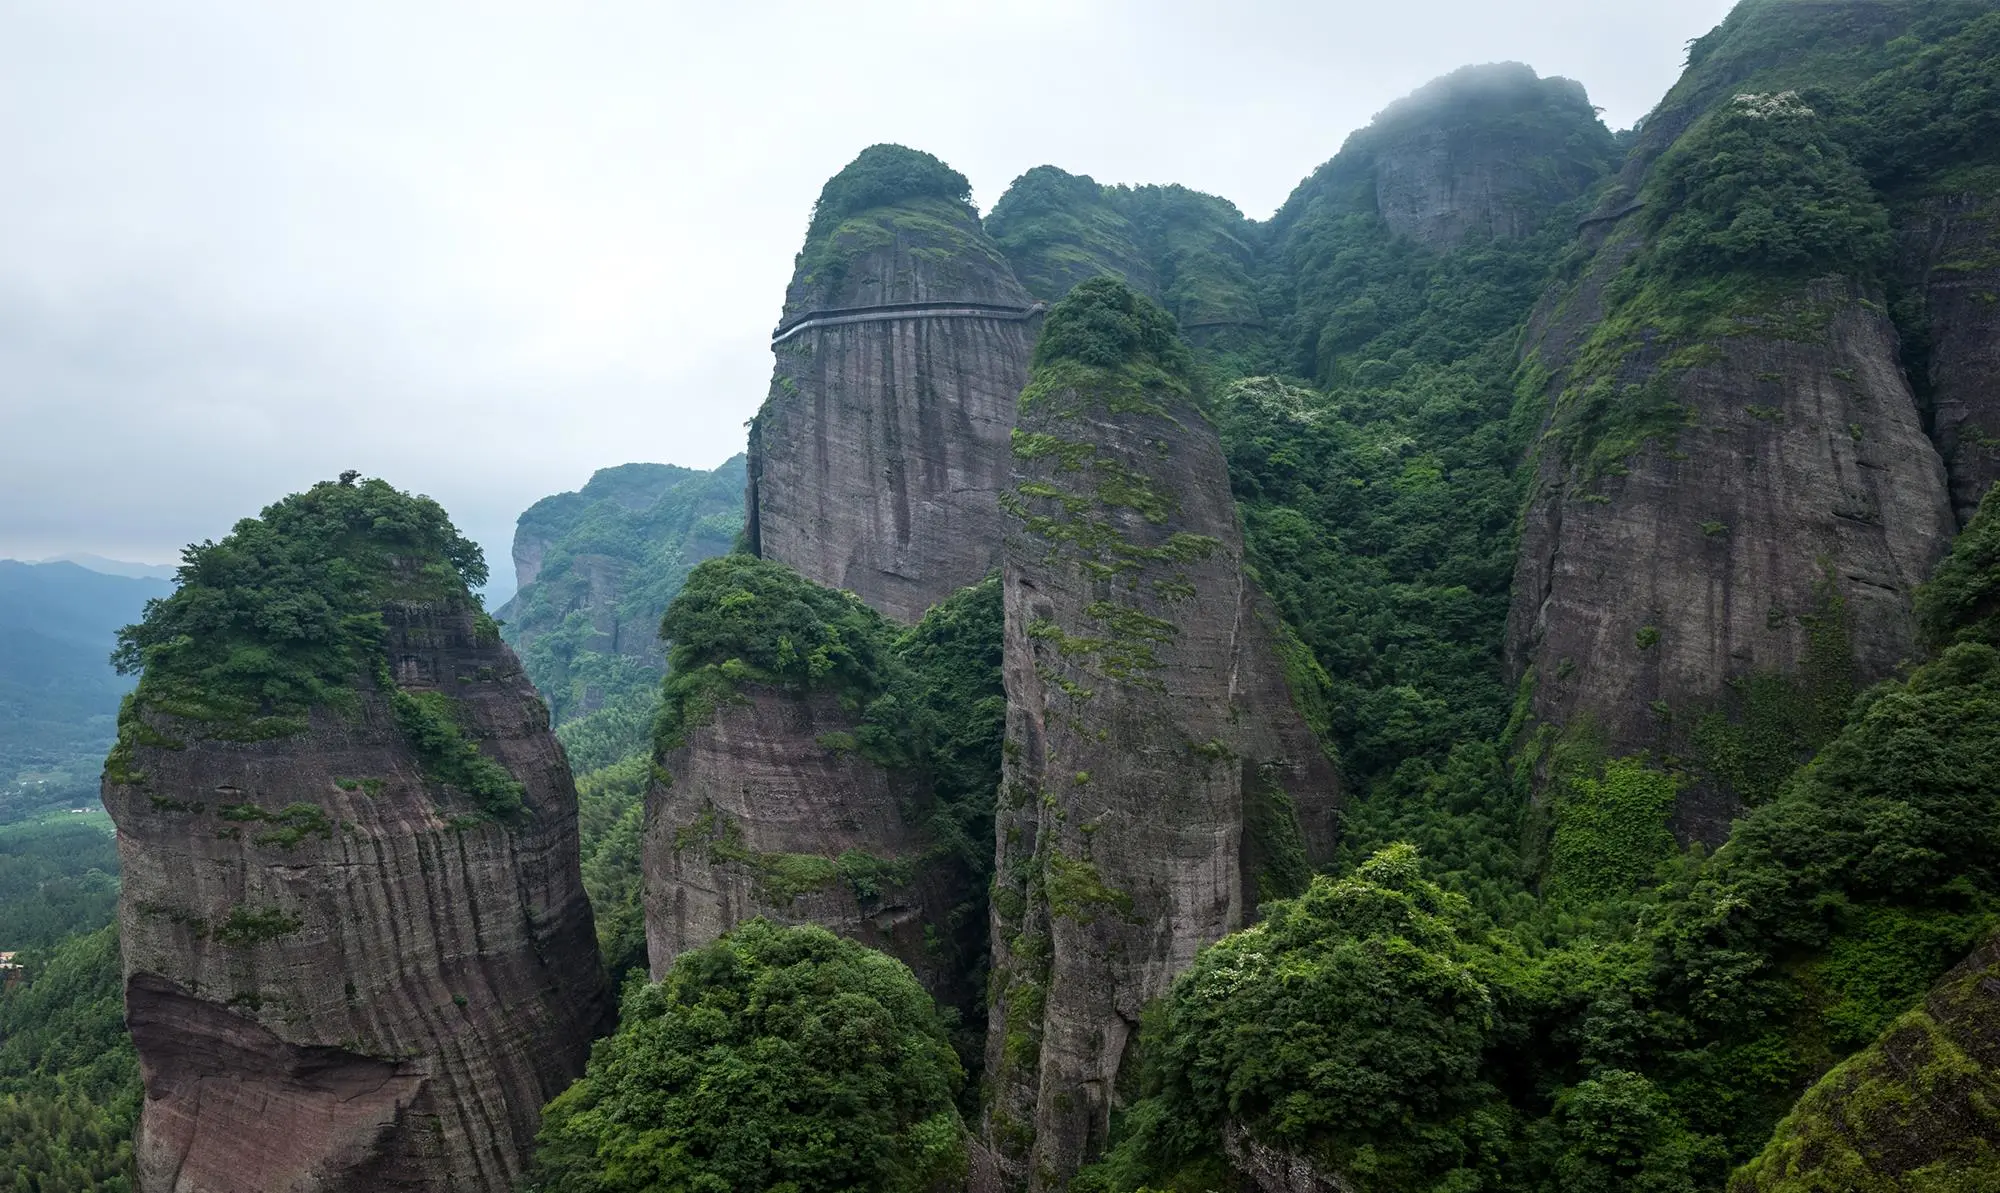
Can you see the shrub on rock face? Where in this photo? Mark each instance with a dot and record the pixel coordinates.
(1348, 1026)
(774, 1059)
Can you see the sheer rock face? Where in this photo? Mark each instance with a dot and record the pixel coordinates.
(877, 461)
(1951, 259)
(1155, 766)
(339, 976)
(1779, 531)
(1447, 164)
(1916, 1106)
(1438, 192)
(761, 803)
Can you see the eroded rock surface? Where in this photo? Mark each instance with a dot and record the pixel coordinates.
(878, 459)
(1445, 164)
(1158, 779)
(764, 800)
(1778, 528)
(1951, 264)
(343, 976)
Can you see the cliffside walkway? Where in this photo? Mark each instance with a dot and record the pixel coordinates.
(904, 310)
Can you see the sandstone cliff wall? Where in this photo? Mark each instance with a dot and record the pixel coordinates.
(1773, 525)
(758, 815)
(339, 975)
(877, 461)
(1157, 779)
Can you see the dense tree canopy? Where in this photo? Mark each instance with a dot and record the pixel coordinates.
(881, 175)
(1106, 324)
(775, 1059)
(285, 612)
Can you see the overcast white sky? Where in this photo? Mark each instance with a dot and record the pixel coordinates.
(482, 249)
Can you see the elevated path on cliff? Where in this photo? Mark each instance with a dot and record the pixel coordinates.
(890, 312)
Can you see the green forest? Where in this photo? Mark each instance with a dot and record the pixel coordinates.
(1515, 974)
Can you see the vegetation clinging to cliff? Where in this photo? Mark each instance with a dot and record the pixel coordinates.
(927, 701)
(1105, 324)
(1763, 185)
(741, 619)
(775, 1058)
(1637, 1040)
(285, 612)
(614, 554)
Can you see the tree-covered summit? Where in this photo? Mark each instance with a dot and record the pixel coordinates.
(285, 611)
(881, 175)
(1106, 324)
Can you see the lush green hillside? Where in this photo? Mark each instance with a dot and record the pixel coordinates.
(606, 562)
(58, 693)
(69, 1080)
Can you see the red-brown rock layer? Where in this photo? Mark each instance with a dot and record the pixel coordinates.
(341, 976)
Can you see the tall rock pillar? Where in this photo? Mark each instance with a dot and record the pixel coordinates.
(1157, 779)
(358, 955)
(877, 462)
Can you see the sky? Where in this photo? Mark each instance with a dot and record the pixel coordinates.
(483, 249)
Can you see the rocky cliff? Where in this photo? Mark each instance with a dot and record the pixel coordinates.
(1361, 263)
(877, 461)
(1157, 779)
(1486, 152)
(772, 811)
(357, 950)
(1734, 494)
(1950, 275)
(819, 765)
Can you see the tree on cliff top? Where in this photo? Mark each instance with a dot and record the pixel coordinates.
(1108, 325)
(881, 175)
(775, 1058)
(284, 612)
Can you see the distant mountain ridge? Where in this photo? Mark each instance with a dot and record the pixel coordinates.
(114, 567)
(58, 693)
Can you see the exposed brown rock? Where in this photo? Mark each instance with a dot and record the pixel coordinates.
(1800, 495)
(877, 461)
(340, 976)
(754, 813)
(1155, 765)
